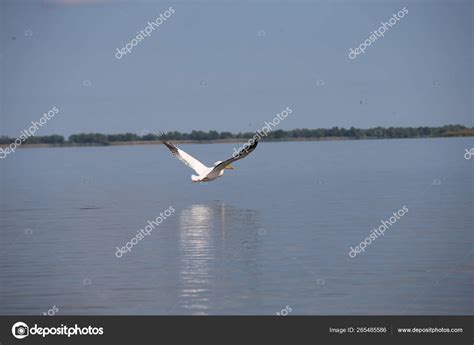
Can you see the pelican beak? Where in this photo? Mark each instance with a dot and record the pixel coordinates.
(229, 167)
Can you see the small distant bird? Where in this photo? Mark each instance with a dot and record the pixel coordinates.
(206, 174)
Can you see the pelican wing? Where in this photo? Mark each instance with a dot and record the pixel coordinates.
(187, 159)
(241, 154)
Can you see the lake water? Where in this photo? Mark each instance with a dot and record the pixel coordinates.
(274, 232)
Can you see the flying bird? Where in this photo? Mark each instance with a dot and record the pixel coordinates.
(204, 173)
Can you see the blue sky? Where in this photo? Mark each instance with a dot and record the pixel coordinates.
(208, 67)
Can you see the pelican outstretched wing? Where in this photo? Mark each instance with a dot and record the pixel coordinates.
(187, 159)
(240, 155)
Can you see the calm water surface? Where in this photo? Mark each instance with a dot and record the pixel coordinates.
(273, 233)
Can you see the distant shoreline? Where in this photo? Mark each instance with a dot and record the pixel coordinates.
(158, 142)
(226, 141)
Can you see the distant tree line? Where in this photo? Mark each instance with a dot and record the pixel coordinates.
(304, 133)
(47, 139)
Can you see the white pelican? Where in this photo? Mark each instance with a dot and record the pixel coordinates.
(206, 174)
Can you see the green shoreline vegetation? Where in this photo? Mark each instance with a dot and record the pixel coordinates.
(335, 133)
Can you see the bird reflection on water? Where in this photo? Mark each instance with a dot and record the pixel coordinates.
(209, 237)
